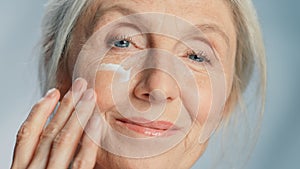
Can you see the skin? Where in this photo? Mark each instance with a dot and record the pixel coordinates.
(54, 146)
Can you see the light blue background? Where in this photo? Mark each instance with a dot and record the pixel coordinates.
(279, 143)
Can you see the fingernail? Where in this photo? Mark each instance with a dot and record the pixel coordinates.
(88, 95)
(51, 93)
(77, 86)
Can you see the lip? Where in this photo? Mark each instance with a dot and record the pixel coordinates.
(147, 127)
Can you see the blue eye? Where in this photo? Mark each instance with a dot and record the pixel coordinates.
(196, 57)
(122, 44)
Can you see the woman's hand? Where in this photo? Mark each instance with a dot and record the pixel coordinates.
(54, 146)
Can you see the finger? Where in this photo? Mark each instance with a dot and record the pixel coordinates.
(63, 113)
(66, 142)
(86, 158)
(68, 104)
(29, 133)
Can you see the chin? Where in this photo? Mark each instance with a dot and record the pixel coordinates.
(182, 156)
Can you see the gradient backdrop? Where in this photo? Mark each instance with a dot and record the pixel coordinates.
(279, 143)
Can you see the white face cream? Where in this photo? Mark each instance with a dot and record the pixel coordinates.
(122, 74)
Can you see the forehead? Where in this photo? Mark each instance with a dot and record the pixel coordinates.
(209, 15)
(195, 11)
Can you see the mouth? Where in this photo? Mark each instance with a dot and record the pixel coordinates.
(148, 128)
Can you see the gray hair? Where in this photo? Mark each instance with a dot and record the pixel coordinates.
(59, 19)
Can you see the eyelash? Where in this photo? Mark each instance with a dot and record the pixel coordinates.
(201, 54)
(115, 39)
(188, 53)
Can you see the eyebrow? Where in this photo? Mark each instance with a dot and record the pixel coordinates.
(207, 28)
(118, 8)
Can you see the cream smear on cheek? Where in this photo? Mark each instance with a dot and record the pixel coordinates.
(122, 74)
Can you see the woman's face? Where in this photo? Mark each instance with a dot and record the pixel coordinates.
(162, 71)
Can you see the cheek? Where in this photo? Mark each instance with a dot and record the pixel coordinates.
(205, 97)
(103, 86)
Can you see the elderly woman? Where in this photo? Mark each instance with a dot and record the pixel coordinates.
(140, 84)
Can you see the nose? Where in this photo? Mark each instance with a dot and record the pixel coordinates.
(156, 86)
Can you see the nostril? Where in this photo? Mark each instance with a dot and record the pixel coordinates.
(157, 96)
(146, 96)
